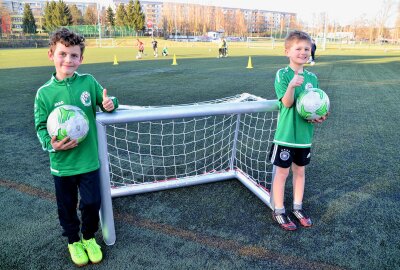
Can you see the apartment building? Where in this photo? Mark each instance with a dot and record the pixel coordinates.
(256, 20)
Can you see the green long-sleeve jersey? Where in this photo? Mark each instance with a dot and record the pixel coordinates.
(83, 91)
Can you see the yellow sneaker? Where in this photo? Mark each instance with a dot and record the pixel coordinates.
(93, 250)
(78, 254)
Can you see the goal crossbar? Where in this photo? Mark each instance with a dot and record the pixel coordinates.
(234, 167)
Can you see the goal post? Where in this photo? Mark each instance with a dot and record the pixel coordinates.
(105, 42)
(146, 149)
(260, 42)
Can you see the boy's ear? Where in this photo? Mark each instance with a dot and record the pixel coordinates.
(286, 52)
(50, 55)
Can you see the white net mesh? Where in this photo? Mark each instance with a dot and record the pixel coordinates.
(254, 141)
(159, 150)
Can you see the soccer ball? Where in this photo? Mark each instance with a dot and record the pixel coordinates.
(312, 104)
(68, 120)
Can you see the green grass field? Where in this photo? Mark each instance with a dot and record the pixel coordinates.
(352, 190)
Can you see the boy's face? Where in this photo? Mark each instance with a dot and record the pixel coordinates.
(299, 52)
(66, 60)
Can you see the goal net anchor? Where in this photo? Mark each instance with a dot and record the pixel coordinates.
(147, 149)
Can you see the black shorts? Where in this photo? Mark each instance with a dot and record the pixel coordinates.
(283, 156)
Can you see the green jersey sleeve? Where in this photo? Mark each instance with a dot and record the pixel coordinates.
(40, 116)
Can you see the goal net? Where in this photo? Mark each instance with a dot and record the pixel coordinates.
(105, 42)
(145, 149)
(261, 42)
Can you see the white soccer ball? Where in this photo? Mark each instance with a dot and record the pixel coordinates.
(68, 121)
(312, 104)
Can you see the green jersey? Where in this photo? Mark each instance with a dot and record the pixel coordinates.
(292, 129)
(83, 91)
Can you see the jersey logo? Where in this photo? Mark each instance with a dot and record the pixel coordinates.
(85, 98)
(308, 86)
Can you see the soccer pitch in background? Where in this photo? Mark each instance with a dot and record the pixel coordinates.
(352, 190)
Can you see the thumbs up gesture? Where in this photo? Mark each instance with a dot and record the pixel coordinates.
(107, 103)
(297, 79)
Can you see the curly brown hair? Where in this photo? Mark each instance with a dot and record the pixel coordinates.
(67, 38)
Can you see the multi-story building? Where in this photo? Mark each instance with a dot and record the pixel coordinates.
(256, 20)
(12, 22)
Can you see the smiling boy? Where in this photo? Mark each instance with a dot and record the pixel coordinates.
(75, 167)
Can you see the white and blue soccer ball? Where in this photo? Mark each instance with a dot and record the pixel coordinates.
(312, 104)
(68, 121)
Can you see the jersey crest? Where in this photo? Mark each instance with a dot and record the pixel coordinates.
(85, 98)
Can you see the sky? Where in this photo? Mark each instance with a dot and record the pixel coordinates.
(340, 11)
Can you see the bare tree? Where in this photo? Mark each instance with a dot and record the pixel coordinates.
(383, 16)
(219, 19)
(397, 25)
(90, 16)
(168, 17)
(241, 27)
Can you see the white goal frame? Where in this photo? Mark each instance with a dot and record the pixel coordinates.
(144, 114)
(260, 42)
(105, 42)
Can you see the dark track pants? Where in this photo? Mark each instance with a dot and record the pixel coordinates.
(67, 188)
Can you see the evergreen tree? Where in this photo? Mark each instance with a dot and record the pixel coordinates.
(130, 15)
(28, 21)
(62, 14)
(139, 17)
(77, 17)
(120, 17)
(49, 9)
(110, 16)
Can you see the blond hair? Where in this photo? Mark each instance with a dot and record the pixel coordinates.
(295, 36)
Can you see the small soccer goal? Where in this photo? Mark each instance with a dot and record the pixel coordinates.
(261, 42)
(146, 149)
(105, 42)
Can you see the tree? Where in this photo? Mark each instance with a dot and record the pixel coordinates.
(168, 15)
(241, 27)
(139, 17)
(5, 25)
(397, 24)
(28, 21)
(120, 19)
(219, 19)
(383, 16)
(49, 9)
(90, 16)
(130, 14)
(135, 17)
(110, 16)
(62, 15)
(77, 17)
